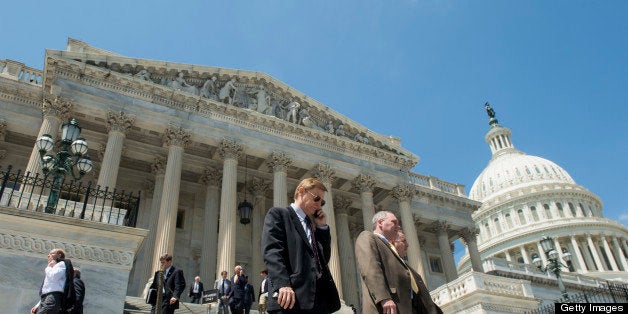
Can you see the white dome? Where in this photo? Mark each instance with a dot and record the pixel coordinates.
(515, 169)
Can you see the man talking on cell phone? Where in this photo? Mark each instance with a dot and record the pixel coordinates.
(296, 246)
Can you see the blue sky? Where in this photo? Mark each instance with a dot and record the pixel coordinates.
(556, 72)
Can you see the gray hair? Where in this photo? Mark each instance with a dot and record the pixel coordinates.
(379, 215)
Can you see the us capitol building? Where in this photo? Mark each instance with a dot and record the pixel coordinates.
(196, 142)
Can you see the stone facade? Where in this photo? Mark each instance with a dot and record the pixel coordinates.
(183, 135)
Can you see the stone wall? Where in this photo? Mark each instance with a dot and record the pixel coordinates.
(103, 252)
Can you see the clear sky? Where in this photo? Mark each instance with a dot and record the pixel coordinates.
(556, 72)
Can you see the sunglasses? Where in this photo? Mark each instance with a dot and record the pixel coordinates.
(317, 198)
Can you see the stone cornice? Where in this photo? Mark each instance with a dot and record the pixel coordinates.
(378, 150)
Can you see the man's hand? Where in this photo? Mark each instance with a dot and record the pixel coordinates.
(286, 298)
(35, 309)
(389, 306)
(173, 300)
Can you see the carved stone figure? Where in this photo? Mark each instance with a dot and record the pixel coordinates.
(330, 127)
(307, 121)
(143, 75)
(263, 102)
(340, 131)
(293, 109)
(180, 84)
(227, 92)
(208, 89)
(302, 114)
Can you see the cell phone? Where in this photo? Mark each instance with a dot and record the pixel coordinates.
(317, 213)
(57, 260)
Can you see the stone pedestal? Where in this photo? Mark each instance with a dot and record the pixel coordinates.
(103, 252)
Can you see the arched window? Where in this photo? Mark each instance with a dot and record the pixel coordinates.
(572, 209)
(498, 227)
(522, 219)
(560, 209)
(535, 214)
(509, 222)
(548, 212)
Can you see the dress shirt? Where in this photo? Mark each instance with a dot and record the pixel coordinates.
(195, 290)
(301, 214)
(55, 278)
(262, 291)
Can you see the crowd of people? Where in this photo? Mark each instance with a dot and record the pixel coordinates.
(296, 249)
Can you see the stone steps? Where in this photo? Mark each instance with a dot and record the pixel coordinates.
(137, 305)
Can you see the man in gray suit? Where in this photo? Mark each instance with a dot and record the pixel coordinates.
(389, 284)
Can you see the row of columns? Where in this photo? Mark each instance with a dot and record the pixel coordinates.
(218, 251)
(512, 218)
(586, 254)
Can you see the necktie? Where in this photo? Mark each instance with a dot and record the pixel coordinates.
(223, 287)
(415, 287)
(314, 245)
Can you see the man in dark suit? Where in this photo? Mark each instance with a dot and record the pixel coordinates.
(389, 284)
(296, 252)
(79, 289)
(239, 281)
(172, 287)
(196, 290)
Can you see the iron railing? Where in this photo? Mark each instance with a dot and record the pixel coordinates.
(78, 200)
(607, 293)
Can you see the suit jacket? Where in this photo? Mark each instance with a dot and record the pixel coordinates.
(200, 288)
(228, 287)
(384, 276)
(291, 262)
(264, 287)
(237, 291)
(249, 296)
(79, 288)
(174, 284)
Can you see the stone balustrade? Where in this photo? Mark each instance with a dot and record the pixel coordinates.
(20, 72)
(473, 282)
(437, 184)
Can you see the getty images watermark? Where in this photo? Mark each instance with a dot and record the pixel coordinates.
(590, 307)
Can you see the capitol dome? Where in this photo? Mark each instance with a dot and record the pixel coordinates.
(525, 198)
(514, 169)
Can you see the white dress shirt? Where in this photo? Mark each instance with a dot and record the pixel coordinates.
(55, 278)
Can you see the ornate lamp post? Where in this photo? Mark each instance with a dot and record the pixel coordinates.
(72, 156)
(553, 262)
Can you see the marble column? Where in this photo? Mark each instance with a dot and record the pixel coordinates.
(524, 255)
(211, 178)
(449, 265)
(588, 258)
(576, 249)
(175, 139)
(118, 123)
(229, 151)
(346, 250)
(258, 187)
(468, 236)
(624, 245)
(279, 163)
(365, 184)
(559, 249)
(403, 194)
(508, 257)
(325, 174)
(144, 263)
(609, 254)
(596, 257)
(620, 254)
(542, 254)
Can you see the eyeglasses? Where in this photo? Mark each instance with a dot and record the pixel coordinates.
(317, 198)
